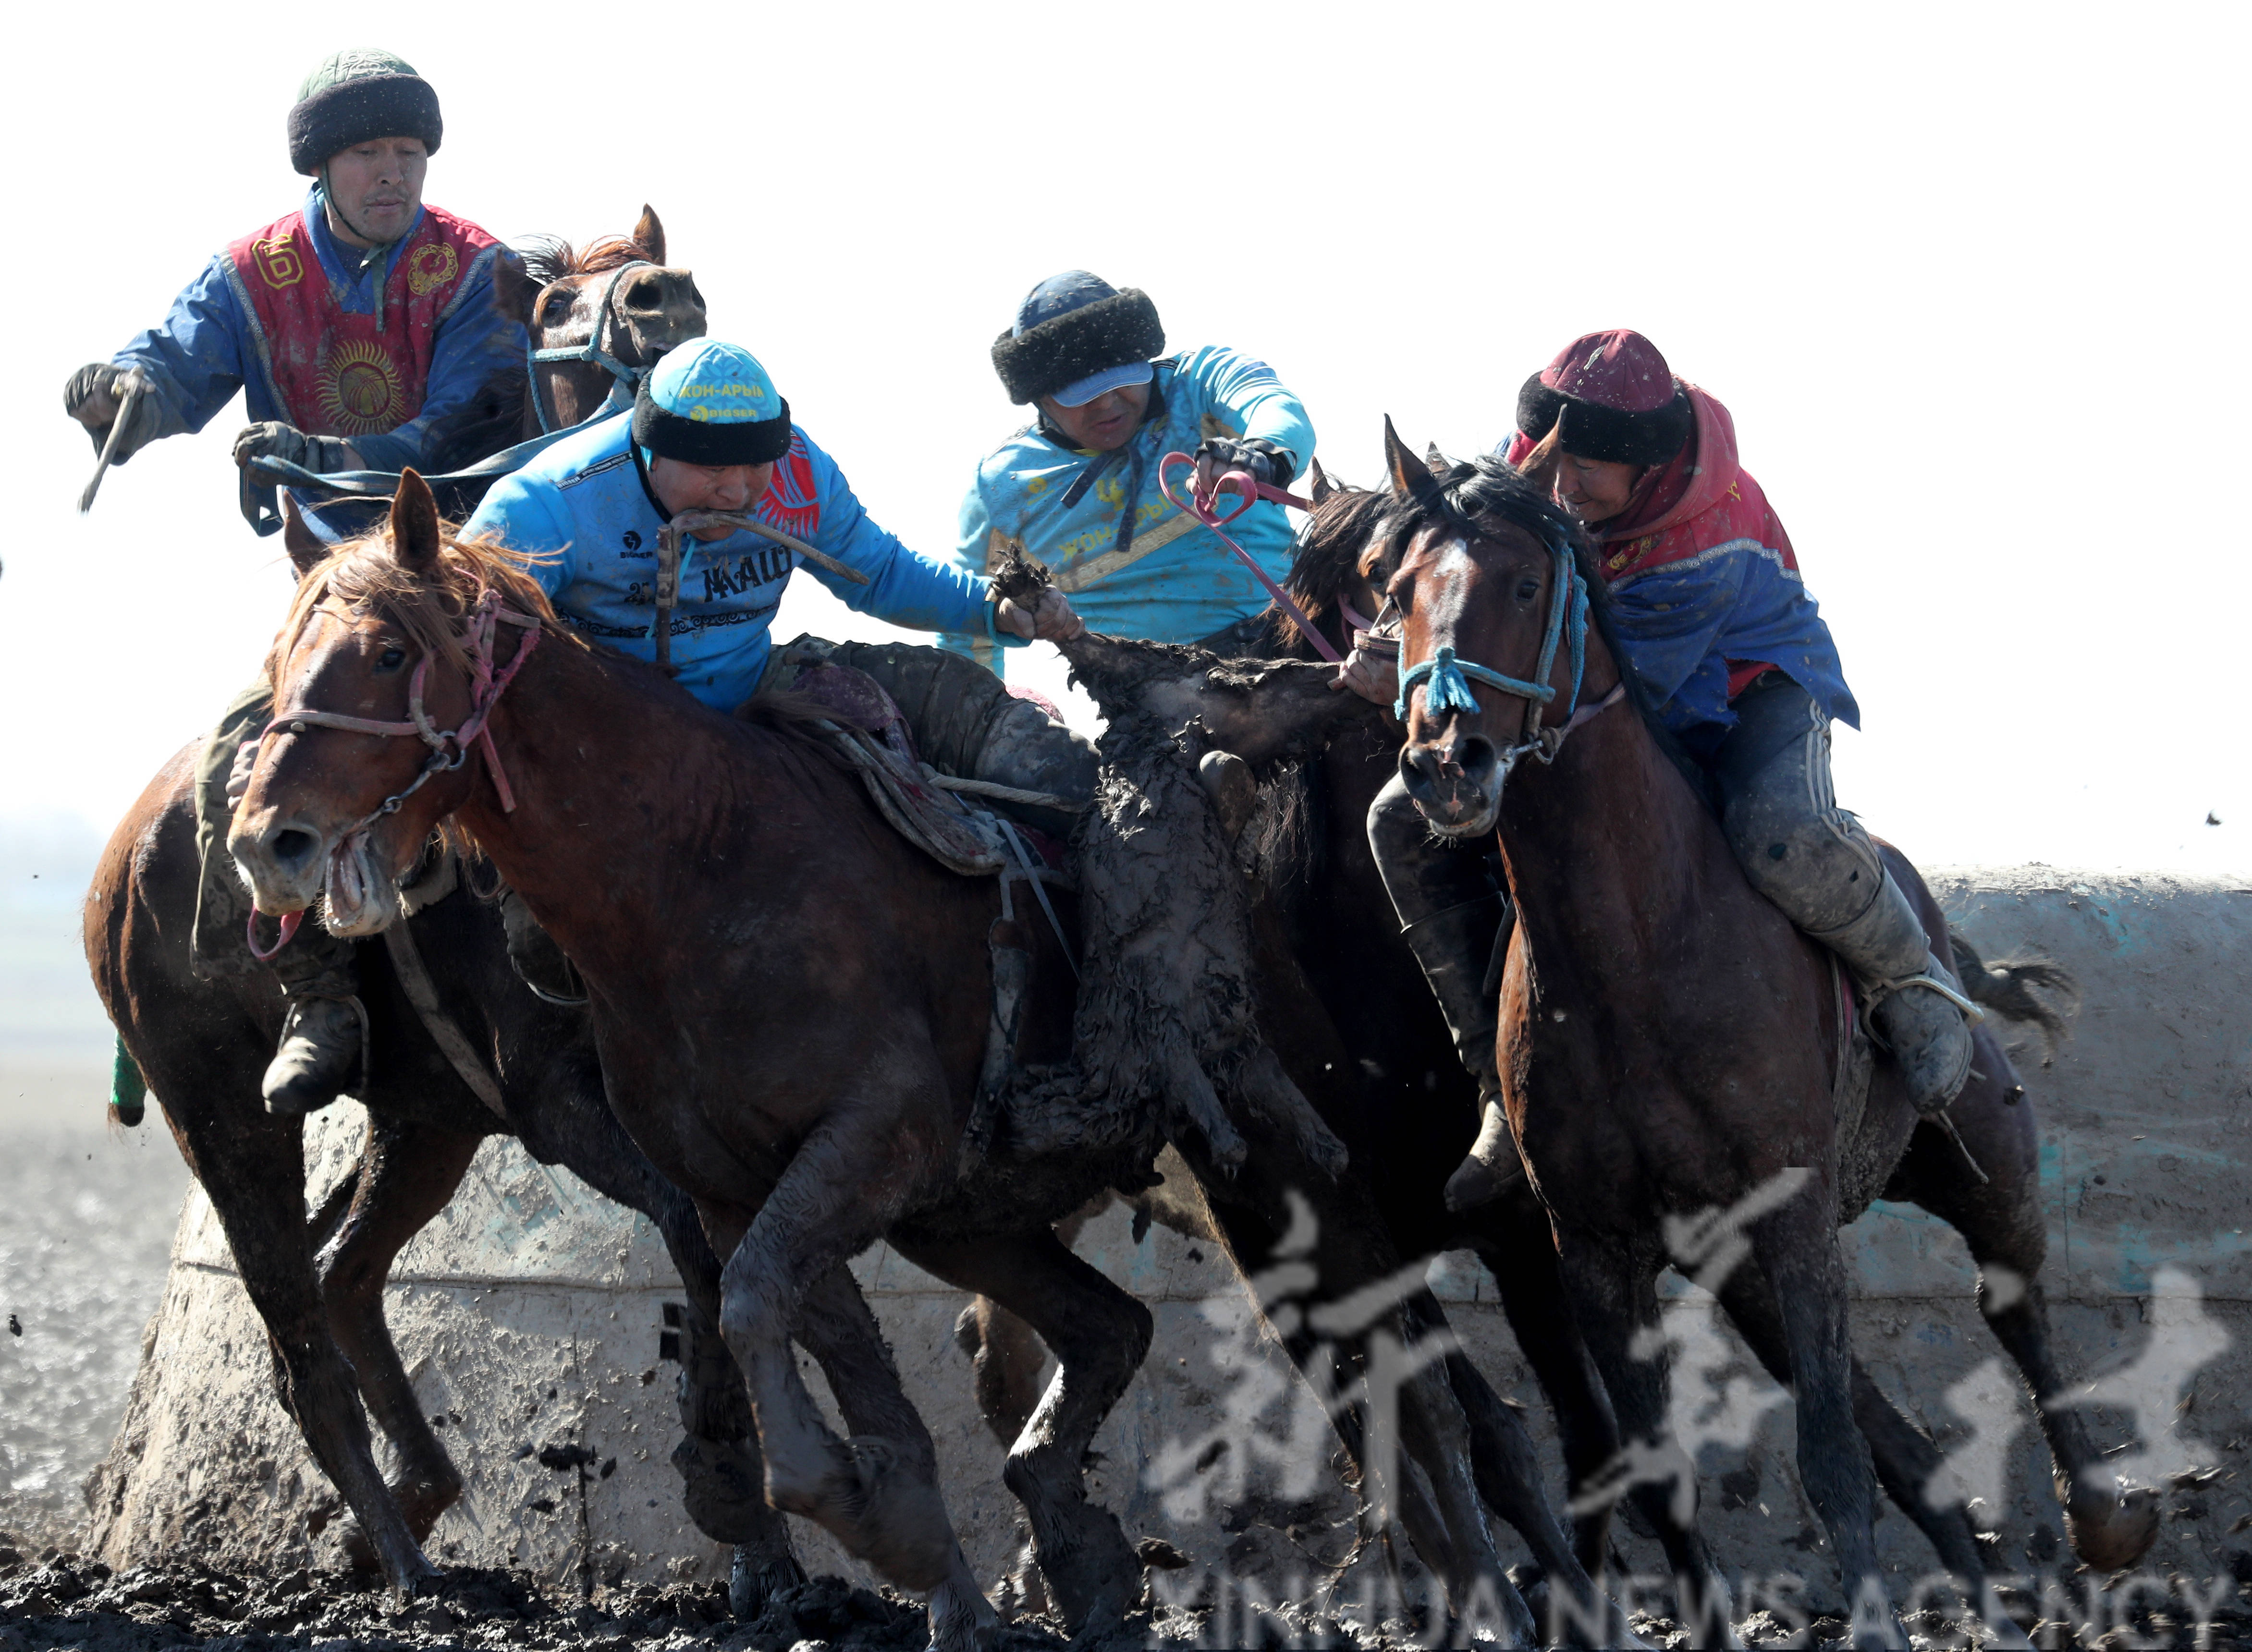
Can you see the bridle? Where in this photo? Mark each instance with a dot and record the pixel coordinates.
(591, 351)
(1450, 690)
(485, 687)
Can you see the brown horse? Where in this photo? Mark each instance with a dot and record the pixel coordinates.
(789, 1002)
(318, 1285)
(1408, 1118)
(594, 317)
(1670, 1047)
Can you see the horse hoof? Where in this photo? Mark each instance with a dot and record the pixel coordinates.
(1092, 1575)
(1471, 1185)
(753, 1580)
(2111, 1533)
(720, 1492)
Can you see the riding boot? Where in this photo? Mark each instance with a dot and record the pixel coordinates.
(1455, 922)
(1819, 864)
(1458, 949)
(323, 1046)
(1923, 1025)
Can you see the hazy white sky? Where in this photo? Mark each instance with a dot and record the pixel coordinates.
(1971, 278)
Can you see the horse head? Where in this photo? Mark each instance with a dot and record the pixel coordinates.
(394, 650)
(616, 299)
(1482, 567)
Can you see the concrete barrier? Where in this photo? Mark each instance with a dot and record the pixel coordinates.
(532, 1313)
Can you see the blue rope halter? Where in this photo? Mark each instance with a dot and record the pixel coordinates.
(1449, 688)
(591, 351)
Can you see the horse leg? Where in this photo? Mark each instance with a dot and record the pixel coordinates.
(252, 1168)
(407, 1172)
(877, 1493)
(2000, 1220)
(1524, 1269)
(1005, 1358)
(835, 1326)
(723, 1481)
(1796, 1246)
(1612, 1291)
(1098, 1334)
(1905, 1459)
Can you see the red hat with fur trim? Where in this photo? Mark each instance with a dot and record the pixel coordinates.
(1614, 396)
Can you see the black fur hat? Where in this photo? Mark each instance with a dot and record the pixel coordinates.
(1594, 431)
(354, 96)
(1051, 353)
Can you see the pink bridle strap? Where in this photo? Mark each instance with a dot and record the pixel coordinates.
(1250, 490)
(484, 692)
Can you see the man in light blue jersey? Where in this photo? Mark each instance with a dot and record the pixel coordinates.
(710, 432)
(1079, 486)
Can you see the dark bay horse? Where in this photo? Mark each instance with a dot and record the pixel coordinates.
(1671, 1046)
(595, 316)
(317, 1285)
(790, 1003)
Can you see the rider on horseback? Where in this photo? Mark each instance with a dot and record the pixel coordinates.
(1079, 486)
(358, 365)
(395, 331)
(1707, 599)
(709, 432)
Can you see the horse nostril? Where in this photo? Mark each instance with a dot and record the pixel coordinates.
(293, 846)
(1476, 754)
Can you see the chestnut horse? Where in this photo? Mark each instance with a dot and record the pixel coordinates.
(1670, 1044)
(791, 1004)
(318, 1286)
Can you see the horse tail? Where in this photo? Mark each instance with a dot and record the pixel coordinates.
(2028, 990)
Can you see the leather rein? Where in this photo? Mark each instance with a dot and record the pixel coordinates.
(486, 686)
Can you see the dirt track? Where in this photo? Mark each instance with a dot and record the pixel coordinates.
(61, 1600)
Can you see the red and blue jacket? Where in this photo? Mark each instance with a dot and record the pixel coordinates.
(376, 354)
(1705, 587)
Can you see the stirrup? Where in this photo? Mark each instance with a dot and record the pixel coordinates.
(1875, 992)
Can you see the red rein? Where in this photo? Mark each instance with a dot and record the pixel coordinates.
(1250, 490)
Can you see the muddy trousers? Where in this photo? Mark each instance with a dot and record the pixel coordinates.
(318, 971)
(965, 722)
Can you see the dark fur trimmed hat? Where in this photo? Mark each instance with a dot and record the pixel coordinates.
(1616, 396)
(356, 95)
(1072, 327)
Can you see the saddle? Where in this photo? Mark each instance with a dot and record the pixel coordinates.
(867, 729)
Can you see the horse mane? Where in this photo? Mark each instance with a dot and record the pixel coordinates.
(548, 259)
(363, 575)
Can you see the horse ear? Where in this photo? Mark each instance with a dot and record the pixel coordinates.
(1405, 468)
(414, 524)
(1319, 483)
(651, 234)
(514, 291)
(306, 550)
(1437, 463)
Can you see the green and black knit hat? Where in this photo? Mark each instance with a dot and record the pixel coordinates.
(356, 96)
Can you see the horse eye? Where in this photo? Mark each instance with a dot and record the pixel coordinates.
(391, 659)
(557, 309)
(1527, 589)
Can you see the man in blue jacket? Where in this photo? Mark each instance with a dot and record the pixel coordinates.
(709, 432)
(354, 326)
(1079, 486)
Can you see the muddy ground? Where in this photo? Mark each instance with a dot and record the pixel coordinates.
(56, 1598)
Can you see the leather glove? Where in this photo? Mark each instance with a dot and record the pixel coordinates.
(92, 396)
(1267, 463)
(292, 446)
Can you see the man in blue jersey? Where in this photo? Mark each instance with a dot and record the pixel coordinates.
(1079, 486)
(709, 432)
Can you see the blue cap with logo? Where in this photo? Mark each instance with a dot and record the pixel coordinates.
(710, 403)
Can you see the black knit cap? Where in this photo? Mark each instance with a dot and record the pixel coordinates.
(716, 442)
(356, 96)
(1071, 327)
